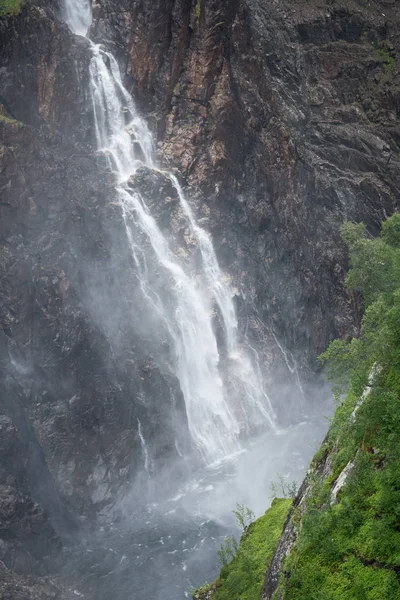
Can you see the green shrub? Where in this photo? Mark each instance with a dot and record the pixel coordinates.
(386, 57)
(283, 488)
(198, 10)
(9, 8)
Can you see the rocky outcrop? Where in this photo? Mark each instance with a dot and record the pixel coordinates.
(76, 359)
(282, 119)
(290, 532)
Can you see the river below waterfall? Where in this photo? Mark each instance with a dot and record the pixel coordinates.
(153, 550)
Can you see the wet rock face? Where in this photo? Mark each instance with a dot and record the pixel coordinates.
(283, 119)
(20, 587)
(41, 83)
(27, 539)
(76, 359)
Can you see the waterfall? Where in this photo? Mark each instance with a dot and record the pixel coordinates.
(217, 416)
(78, 15)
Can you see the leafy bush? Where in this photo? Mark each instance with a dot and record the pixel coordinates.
(244, 516)
(386, 56)
(228, 550)
(229, 547)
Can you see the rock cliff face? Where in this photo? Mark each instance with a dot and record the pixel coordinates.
(282, 120)
(75, 361)
(282, 117)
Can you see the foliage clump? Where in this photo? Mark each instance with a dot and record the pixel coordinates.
(349, 547)
(386, 56)
(9, 8)
(375, 273)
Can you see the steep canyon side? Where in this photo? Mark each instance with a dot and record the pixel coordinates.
(282, 121)
(76, 362)
(282, 117)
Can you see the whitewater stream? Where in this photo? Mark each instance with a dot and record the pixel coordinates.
(158, 548)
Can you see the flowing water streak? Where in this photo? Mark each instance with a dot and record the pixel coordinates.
(116, 120)
(126, 141)
(292, 368)
(144, 447)
(212, 271)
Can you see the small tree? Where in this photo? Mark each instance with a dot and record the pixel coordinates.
(229, 547)
(283, 488)
(375, 272)
(244, 516)
(228, 550)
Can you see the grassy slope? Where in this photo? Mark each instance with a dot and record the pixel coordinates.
(243, 577)
(351, 549)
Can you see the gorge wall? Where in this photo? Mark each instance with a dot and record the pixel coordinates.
(281, 119)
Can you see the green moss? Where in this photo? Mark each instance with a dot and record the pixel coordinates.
(385, 54)
(320, 455)
(198, 10)
(387, 60)
(9, 8)
(243, 577)
(9, 121)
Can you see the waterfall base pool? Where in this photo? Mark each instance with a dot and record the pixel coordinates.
(160, 550)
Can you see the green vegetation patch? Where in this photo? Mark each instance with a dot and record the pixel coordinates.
(349, 548)
(9, 120)
(243, 577)
(9, 8)
(198, 10)
(386, 55)
(6, 119)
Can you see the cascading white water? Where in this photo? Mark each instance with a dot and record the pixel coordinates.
(215, 420)
(212, 425)
(78, 15)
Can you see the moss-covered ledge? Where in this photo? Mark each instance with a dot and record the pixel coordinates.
(243, 577)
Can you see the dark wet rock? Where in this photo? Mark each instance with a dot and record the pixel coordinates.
(158, 192)
(28, 541)
(76, 355)
(18, 587)
(283, 120)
